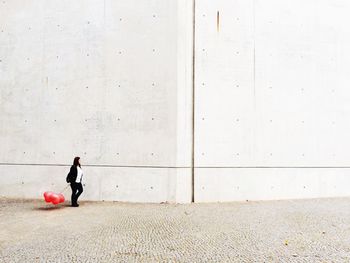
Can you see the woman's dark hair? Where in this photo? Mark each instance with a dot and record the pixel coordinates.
(76, 161)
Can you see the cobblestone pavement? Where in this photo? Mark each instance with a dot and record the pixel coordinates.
(275, 231)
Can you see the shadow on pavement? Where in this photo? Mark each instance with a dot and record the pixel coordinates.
(50, 207)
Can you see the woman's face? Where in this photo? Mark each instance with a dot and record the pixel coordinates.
(79, 162)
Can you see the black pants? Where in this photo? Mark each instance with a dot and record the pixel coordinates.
(77, 189)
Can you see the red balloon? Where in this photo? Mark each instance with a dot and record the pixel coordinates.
(61, 196)
(48, 196)
(55, 199)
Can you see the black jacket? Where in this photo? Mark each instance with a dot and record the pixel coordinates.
(73, 173)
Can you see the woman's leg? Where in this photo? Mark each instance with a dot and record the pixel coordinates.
(80, 190)
(74, 194)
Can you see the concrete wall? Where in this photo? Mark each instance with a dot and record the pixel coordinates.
(272, 99)
(110, 81)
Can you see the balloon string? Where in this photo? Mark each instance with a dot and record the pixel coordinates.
(64, 189)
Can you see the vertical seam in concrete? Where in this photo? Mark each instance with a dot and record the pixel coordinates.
(193, 92)
(254, 62)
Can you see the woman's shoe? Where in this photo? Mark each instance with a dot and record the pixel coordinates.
(75, 205)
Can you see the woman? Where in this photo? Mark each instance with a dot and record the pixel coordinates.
(74, 178)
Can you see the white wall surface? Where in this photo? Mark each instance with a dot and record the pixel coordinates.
(109, 81)
(272, 99)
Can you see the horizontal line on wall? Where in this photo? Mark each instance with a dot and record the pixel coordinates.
(179, 167)
(269, 167)
(94, 165)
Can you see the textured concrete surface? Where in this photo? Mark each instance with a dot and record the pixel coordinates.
(109, 81)
(276, 231)
(271, 99)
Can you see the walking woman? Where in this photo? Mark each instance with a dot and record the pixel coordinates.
(74, 178)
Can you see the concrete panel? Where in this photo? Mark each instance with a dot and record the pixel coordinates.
(96, 79)
(110, 81)
(271, 83)
(240, 184)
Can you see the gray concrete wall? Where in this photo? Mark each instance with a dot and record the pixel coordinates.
(109, 81)
(272, 99)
